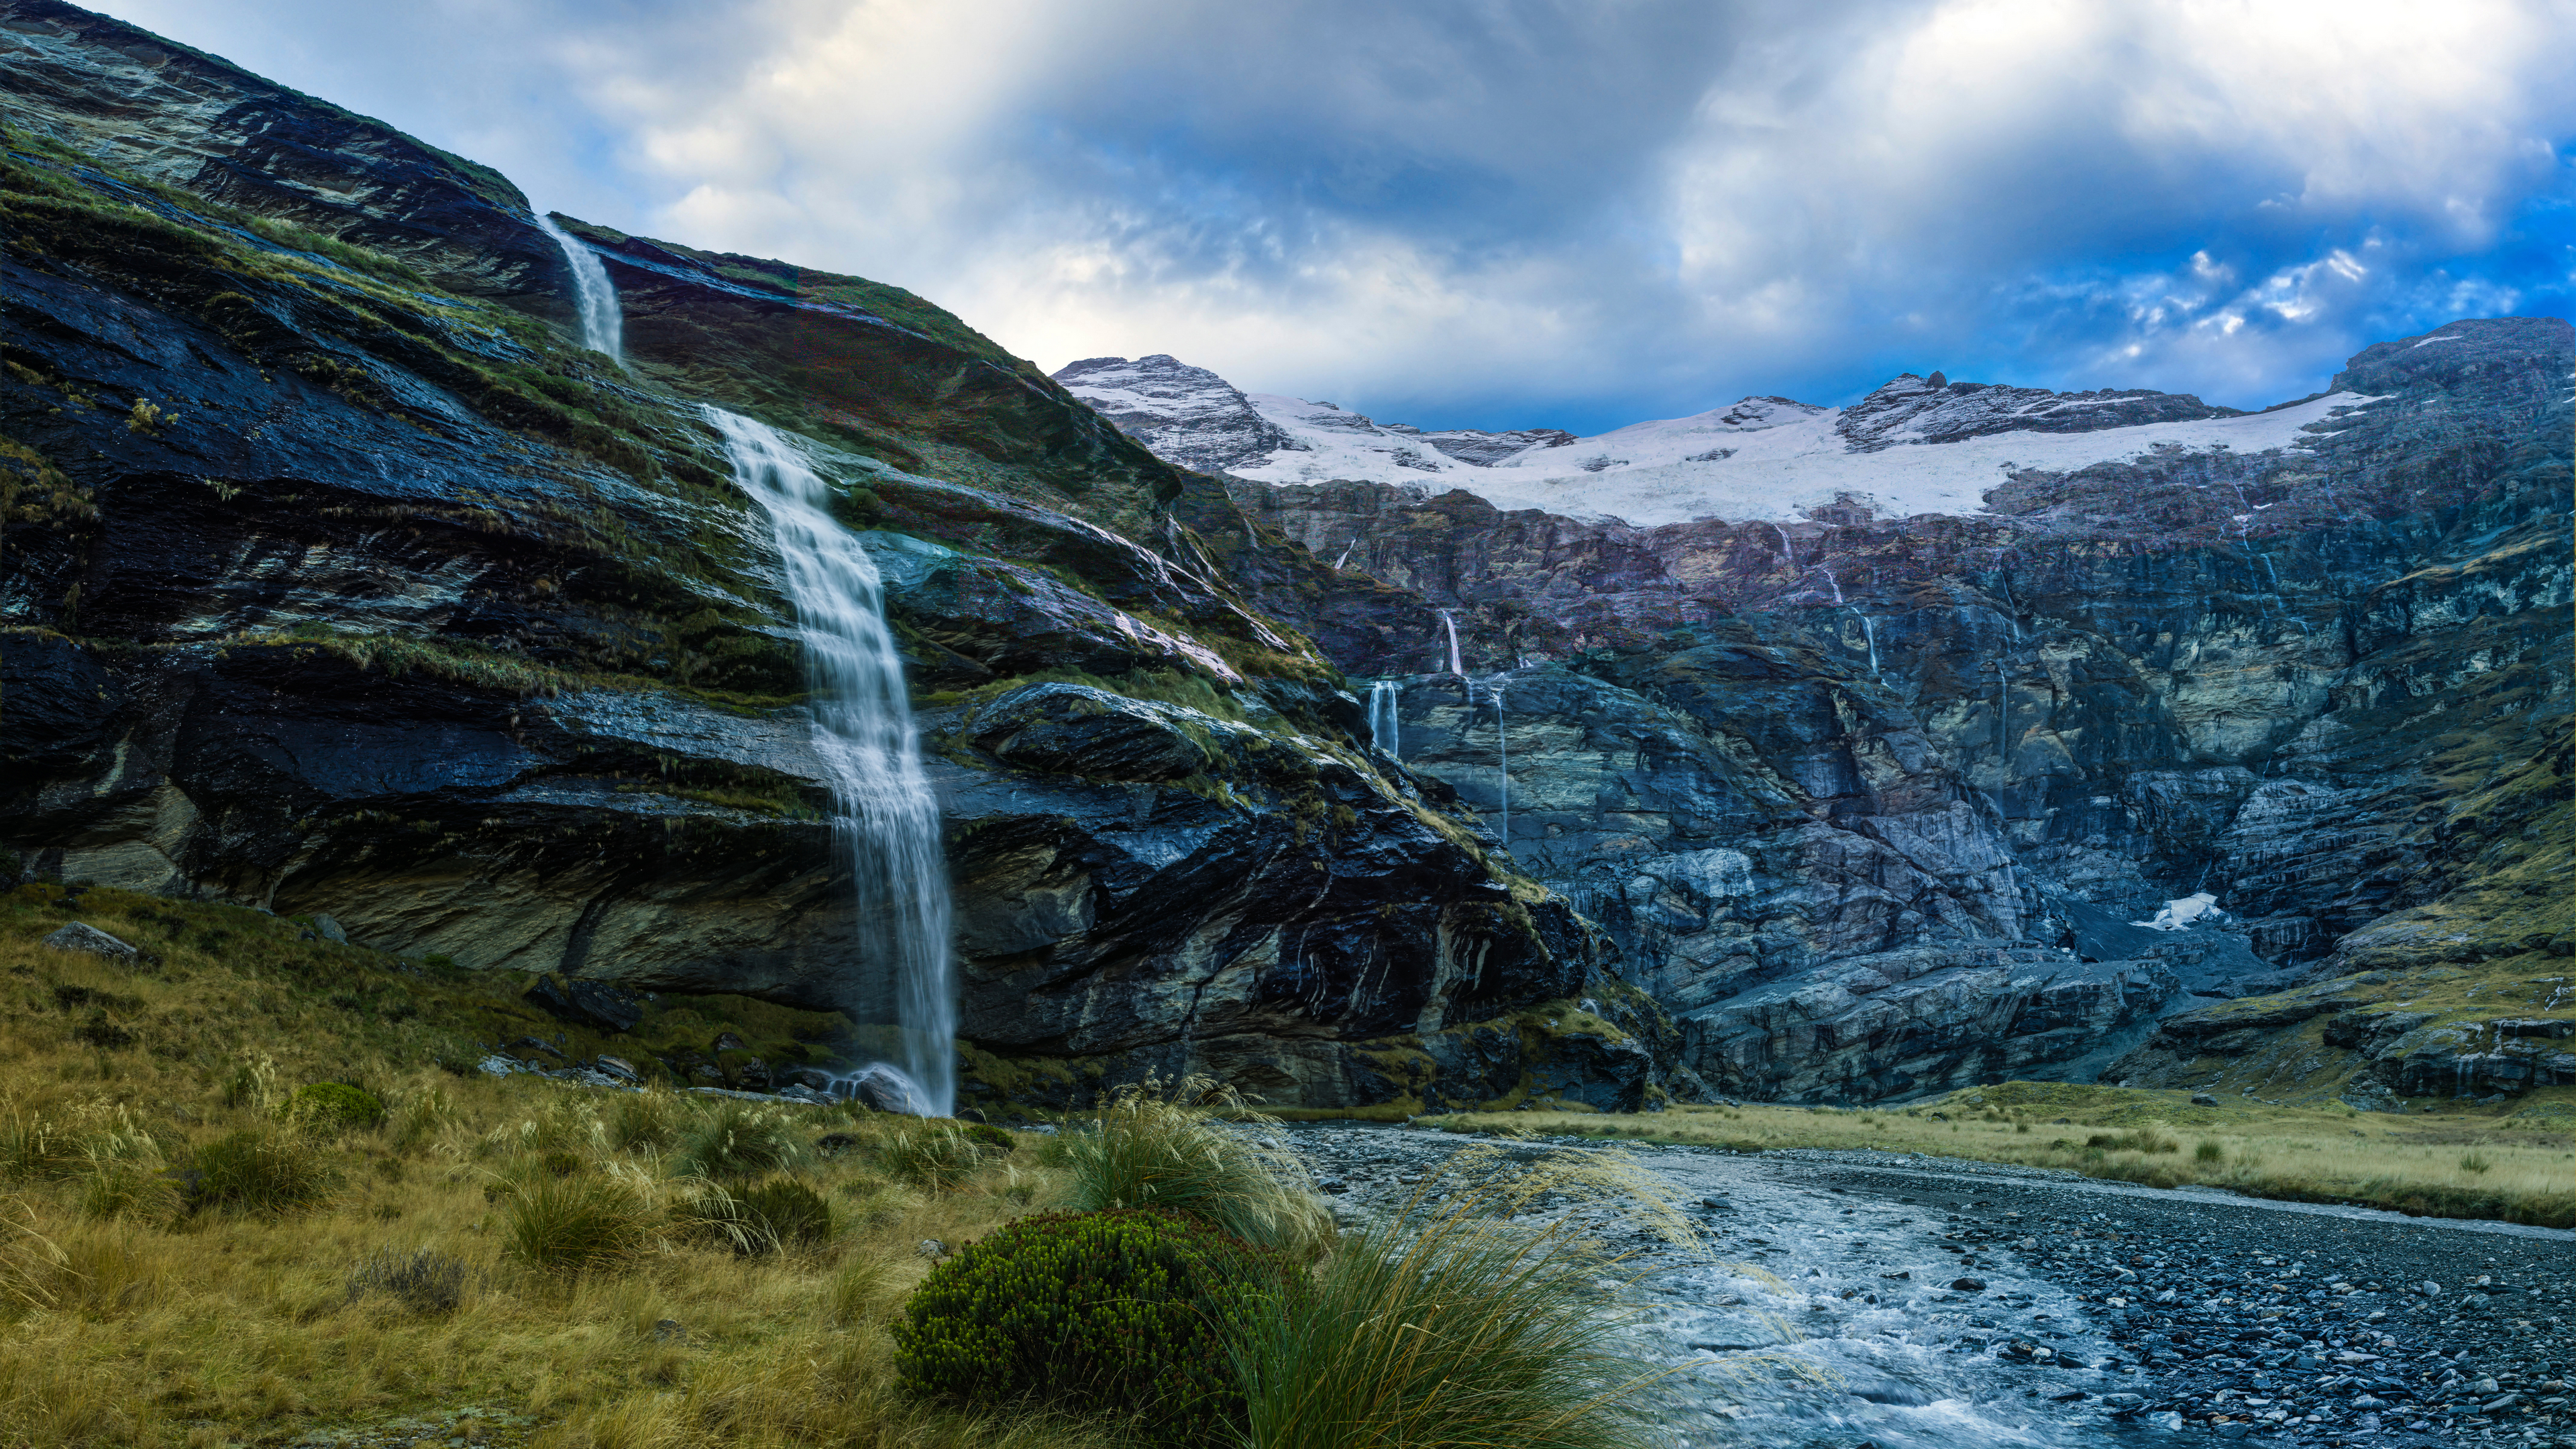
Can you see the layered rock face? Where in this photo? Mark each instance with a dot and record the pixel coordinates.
(336, 578)
(2320, 682)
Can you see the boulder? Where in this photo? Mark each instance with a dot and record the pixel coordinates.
(92, 940)
(595, 1004)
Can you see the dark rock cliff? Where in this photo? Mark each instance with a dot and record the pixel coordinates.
(2323, 684)
(335, 578)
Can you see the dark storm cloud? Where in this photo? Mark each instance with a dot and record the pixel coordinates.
(1574, 214)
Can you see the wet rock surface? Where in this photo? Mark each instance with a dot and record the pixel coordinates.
(1906, 1301)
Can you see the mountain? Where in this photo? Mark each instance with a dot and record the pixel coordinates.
(1915, 445)
(1802, 753)
(1818, 769)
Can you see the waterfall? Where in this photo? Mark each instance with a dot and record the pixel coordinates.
(2271, 572)
(888, 820)
(1503, 765)
(1837, 583)
(1346, 553)
(603, 327)
(1382, 723)
(1869, 631)
(1786, 547)
(1449, 620)
(2003, 718)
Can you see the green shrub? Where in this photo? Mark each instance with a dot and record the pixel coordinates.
(734, 1142)
(253, 1172)
(2208, 1152)
(984, 1134)
(1124, 1313)
(574, 1224)
(333, 1107)
(427, 1282)
(1149, 1150)
(2474, 1162)
(780, 1213)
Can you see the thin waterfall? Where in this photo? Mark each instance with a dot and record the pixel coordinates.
(1503, 764)
(1346, 553)
(1790, 550)
(887, 818)
(1869, 631)
(2003, 719)
(603, 326)
(1837, 583)
(1382, 722)
(1449, 620)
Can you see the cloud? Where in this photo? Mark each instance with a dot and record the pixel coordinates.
(1471, 211)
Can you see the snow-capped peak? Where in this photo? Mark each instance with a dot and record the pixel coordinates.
(1915, 445)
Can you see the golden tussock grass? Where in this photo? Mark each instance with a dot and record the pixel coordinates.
(134, 1318)
(2470, 1164)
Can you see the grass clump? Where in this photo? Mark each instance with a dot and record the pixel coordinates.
(425, 1281)
(575, 1225)
(1158, 1146)
(1124, 1313)
(1482, 1313)
(934, 1156)
(257, 1172)
(2208, 1151)
(737, 1141)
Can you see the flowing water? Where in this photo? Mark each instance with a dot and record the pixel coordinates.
(888, 820)
(1869, 631)
(1449, 621)
(1812, 1317)
(1383, 725)
(1503, 764)
(1787, 549)
(603, 326)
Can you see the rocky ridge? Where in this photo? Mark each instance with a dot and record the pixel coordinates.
(336, 578)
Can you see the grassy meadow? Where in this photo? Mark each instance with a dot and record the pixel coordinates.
(2515, 1162)
(169, 1286)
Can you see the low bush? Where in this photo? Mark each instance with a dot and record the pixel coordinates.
(1149, 1149)
(2208, 1151)
(575, 1224)
(1122, 1313)
(778, 1214)
(252, 1171)
(333, 1107)
(793, 1214)
(648, 1119)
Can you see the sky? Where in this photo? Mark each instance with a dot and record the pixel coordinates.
(1475, 213)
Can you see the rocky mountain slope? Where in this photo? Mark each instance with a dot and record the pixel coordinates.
(337, 577)
(1871, 802)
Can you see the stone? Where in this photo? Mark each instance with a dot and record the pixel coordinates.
(92, 941)
(329, 929)
(883, 1089)
(930, 1248)
(799, 1092)
(617, 1067)
(2203, 1099)
(579, 1002)
(1968, 1285)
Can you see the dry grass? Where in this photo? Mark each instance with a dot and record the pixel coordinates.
(2409, 1163)
(133, 1318)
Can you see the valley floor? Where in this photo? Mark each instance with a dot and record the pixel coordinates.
(1926, 1303)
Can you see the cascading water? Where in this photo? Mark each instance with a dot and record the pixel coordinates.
(1449, 621)
(1787, 549)
(1383, 698)
(888, 819)
(1503, 764)
(1869, 631)
(603, 326)
(1837, 585)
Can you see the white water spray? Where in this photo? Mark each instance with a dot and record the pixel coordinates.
(1382, 722)
(888, 819)
(1503, 764)
(1837, 583)
(1869, 631)
(603, 326)
(1449, 621)
(1788, 549)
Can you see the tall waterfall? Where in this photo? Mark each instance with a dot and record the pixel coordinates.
(1503, 765)
(1449, 621)
(603, 327)
(888, 819)
(1383, 698)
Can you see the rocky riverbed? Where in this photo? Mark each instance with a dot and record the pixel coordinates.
(1850, 1298)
